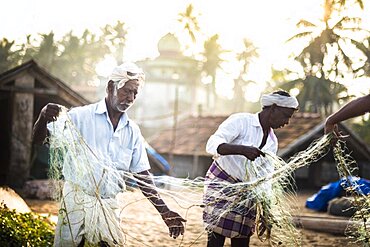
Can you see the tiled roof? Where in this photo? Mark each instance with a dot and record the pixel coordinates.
(191, 136)
(193, 132)
(300, 124)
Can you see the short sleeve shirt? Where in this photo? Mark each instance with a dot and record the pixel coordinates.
(240, 129)
(124, 147)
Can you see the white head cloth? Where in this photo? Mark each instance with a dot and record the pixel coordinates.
(279, 100)
(120, 75)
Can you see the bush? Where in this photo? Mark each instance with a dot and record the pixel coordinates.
(24, 229)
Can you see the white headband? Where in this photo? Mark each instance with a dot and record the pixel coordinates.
(279, 100)
(120, 75)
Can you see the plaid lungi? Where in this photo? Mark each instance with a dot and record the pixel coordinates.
(236, 223)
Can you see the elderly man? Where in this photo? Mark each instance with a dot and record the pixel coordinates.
(241, 138)
(109, 133)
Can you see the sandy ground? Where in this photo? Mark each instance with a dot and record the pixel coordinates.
(143, 225)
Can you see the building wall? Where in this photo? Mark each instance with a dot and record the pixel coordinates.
(21, 133)
(323, 172)
(186, 166)
(5, 134)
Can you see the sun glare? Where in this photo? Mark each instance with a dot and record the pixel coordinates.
(105, 67)
(253, 91)
(268, 24)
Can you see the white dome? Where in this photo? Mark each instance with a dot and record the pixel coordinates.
(168, 43)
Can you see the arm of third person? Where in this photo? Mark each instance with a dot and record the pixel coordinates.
(48, 114)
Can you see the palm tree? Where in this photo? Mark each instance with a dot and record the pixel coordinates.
(364, 47)
(28, 50)
(47, 51)
(115, 38)
(327, 48)
(72, 59)
(211, 63)
(77, 61)
(189, 21)
(317, 93)
(7, 55)
(323, 57)
(244, 58)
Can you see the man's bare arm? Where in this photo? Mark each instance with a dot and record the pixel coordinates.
(249, 152)
(352, 109)
(172, 219)
(48, 114)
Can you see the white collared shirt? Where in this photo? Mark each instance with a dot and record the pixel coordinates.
(240, 129)
(123, 147)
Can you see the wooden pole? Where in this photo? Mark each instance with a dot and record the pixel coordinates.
(334, 225)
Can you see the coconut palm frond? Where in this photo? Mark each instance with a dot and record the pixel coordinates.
(305, 23)
(300, 35)
(360, 46)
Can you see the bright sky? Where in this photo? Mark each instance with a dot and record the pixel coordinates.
(268, 23)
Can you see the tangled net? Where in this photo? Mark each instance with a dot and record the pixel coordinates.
(91, 184)
(358, 229)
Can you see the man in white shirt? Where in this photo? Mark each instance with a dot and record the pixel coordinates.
(112, 136)
(240, 139)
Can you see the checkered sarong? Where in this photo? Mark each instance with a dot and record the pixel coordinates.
(238, 223)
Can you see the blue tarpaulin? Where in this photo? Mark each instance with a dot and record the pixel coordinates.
(320, 200)
(151, 151)
(159, 160)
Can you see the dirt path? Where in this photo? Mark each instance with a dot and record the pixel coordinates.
(143, 225)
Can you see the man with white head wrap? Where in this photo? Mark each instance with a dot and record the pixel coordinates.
(279, 100)
(112, 136)
(125, 72)
(240, 139)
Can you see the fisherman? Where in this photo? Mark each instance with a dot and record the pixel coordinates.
(109, 133)
(240, 139)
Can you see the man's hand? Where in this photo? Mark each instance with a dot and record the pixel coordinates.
(172, 219)
(252, 153)
(330, 127)
(333, 128)
(174, 222)
(50, 112)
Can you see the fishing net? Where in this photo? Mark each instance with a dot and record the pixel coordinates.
(91, 183)
(358, 229)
